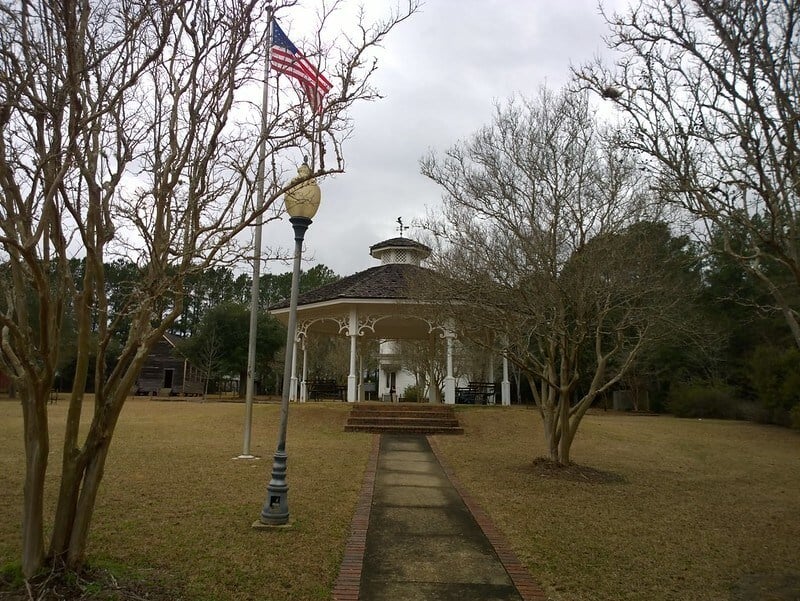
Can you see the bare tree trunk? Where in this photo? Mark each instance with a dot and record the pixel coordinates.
(550, 424)
(83, 472)
(37, 447)
(543, 397)
(73, 463)
(84, 510)
(565, 440)
(564, 391)
(65, 510)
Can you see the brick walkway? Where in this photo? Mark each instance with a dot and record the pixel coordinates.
(418, 534)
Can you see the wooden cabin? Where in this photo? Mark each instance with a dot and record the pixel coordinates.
(167, 373)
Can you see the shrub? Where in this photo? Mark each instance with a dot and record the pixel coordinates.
(411, 394)
(11, 577)
(699, 399)
(775, 378)
(794, 415)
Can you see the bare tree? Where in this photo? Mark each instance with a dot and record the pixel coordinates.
(210, 360)
(546, 255)
(427, 361)
(711, 92)
(128, 130)
(326, 355)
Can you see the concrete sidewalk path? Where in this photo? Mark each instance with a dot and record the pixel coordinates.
(422, 541)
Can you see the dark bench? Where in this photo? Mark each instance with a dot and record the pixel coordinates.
(192, 388)
(477, 393)
(318, 389)
(147, 386)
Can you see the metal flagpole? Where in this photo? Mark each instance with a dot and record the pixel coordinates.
(254, 292)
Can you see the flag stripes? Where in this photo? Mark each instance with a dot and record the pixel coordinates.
(287, 59)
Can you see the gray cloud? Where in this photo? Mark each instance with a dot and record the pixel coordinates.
(441, 73)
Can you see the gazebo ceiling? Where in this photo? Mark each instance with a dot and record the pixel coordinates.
(386, 318)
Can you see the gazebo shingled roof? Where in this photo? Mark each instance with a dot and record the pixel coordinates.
(380, 282)
(380, 301)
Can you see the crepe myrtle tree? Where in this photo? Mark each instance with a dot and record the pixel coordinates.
(543, 253)
(711, 95)
(129, 130)
(427, 361)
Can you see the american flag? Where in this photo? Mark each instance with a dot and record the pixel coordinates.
(286, 58)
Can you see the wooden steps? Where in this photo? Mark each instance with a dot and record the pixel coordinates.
(403, 418)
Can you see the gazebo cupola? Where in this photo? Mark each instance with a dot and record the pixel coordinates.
(400, 251)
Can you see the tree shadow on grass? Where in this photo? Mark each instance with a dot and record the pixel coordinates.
(767, 586)
(546, 468)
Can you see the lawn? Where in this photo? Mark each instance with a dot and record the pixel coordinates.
(690, 509)
(176, 506)
(677, 509)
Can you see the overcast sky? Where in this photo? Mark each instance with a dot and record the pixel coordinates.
(441, 73)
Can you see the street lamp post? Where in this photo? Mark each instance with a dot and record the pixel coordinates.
(302, 202)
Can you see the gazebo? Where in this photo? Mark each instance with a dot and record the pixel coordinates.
(375, 303)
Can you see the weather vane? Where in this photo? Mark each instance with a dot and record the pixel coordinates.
(401, 228)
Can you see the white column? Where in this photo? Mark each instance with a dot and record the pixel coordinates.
(505, 386)
(303, 388)
(360, 378)
(491, 376)
(449, 381)
(381, 379)
(352, 330)
(293, 388)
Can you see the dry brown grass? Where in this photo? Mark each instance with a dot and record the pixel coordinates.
(671, 509)
(693, 509)
(175, 505)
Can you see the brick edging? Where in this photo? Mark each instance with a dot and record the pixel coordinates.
(528, 588)
(349, 579)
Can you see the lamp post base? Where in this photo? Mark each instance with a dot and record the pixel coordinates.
(276, 506)
(259, 525)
